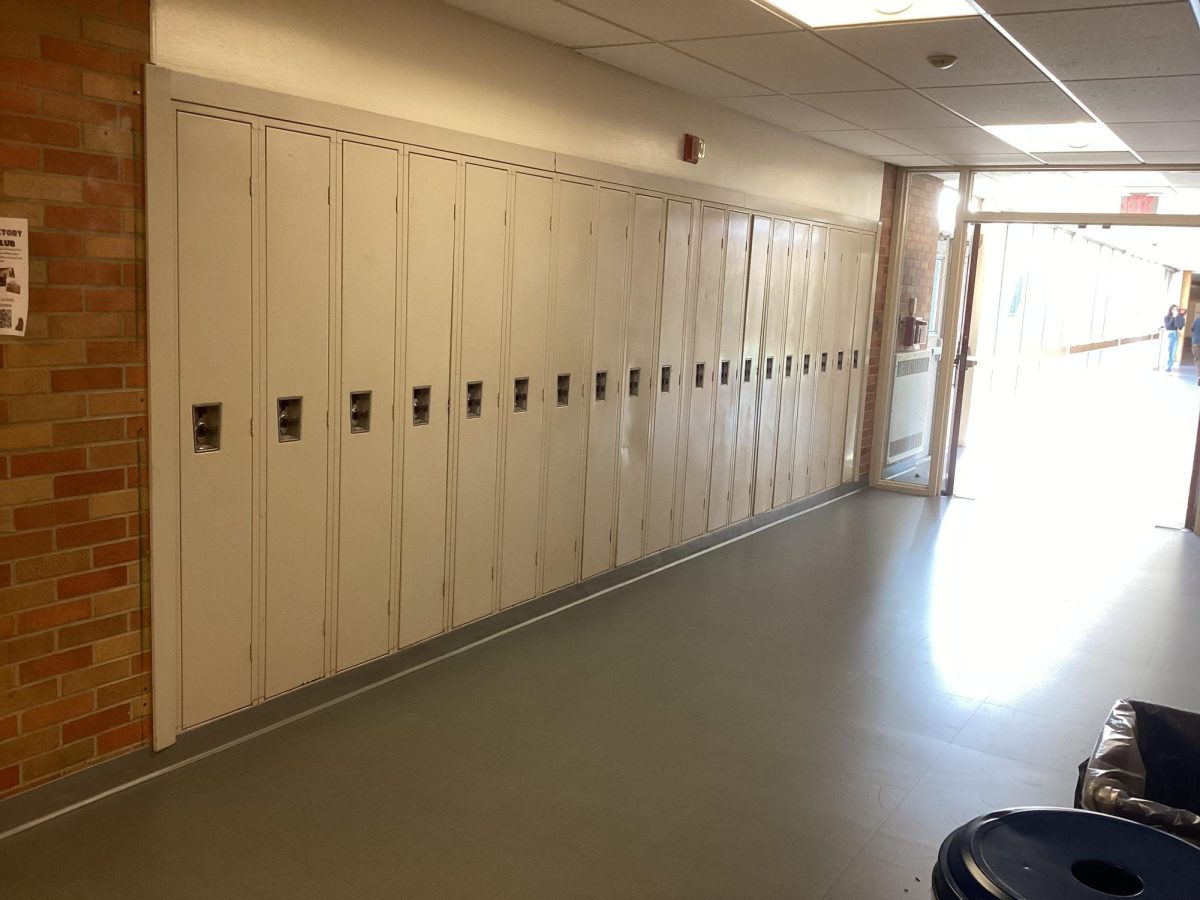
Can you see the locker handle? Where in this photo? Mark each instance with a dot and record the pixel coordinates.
(206, 427)
(699, 375)
(770, 367)
(746, 370)
(564, 389)
(807, 363)
(841, 358)
(724, 372)
(521, 395)
(855, 363)
(421, 403)
(787, 366)
(824, 362)
(665, 380)
(474, 399)
(360, 412)
(601, 386)
(289, 412)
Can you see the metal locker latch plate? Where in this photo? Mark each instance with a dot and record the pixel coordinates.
(665, 380)
(206, 427)
(564, 389)
(724, 372)
(521, 395)
(474, 399)
(699, 375)
(360, 412)
(420, 404)
(289, 410)
(601, 386)
(635, 382)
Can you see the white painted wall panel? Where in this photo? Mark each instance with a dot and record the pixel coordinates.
(215, 162)
(370, 247)
(298, 304)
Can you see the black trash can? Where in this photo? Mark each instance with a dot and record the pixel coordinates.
(1146, 768)
(1063, 854)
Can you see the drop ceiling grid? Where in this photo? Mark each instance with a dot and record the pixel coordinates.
(750, 60)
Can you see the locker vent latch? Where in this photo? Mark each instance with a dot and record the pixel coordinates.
(360, 412)
(206, 427)
(289, 412)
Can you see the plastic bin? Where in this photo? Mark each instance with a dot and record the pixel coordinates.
(1063, 854)
(1146, 768)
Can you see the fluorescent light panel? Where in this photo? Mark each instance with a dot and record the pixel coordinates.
(1068, 137)
(830, 13)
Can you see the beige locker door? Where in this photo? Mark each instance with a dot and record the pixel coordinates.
(566, 389)
(771, 368)
(669, 382)
(522, 396)
(840, 359)
(809, 359)
(298, 289)
(424, 405)
(863, 301)
(728, 374)
(477, 404)
(824, 363)
(370, 232)
(634, 384)
(791, 363)
(748, 372)
(701, 385)
(604, 405)
(215, 162)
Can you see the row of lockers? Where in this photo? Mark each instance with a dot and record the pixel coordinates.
(416, 389)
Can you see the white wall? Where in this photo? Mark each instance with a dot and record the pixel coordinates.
(430, 63)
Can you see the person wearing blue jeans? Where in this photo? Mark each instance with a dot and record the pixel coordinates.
(1173, 322)
(1196, 346)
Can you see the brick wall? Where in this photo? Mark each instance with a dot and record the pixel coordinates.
(886, 212)
(919, 252)
(74, 665)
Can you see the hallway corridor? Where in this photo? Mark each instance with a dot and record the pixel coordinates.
(804, 713)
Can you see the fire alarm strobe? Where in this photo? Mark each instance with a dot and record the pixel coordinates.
(693, 149)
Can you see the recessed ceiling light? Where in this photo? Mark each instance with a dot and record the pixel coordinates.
(1069, 137)
(830, 13)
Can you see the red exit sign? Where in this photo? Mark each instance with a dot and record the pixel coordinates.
(1146, 204)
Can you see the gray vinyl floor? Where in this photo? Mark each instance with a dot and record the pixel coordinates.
(804, 713)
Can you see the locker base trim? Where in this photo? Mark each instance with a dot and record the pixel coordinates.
(73, 792)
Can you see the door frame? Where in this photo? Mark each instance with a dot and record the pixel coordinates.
(965, 218)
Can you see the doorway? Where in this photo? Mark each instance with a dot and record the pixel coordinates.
(1062, 389)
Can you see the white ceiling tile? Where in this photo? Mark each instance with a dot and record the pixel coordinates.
(787, 112)
(990, 159)
(1158, 136)
(673, 20)
(664, 65)
(984, 57)
(794, 63)
(1122, 42)
(1171, 99)
(907, 161)
(867, 143)
(550, 21)
(884, 109)
(1010, 104)
(1085, 159)
(1172, 157)
(940, 141)
(999, 7)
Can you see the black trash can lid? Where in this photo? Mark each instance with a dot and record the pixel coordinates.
(1063, 854)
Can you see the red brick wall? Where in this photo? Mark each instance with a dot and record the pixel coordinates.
(920, 243)
(74, 664)
(886, 212)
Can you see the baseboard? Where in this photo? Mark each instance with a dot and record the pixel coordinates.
(104, 779)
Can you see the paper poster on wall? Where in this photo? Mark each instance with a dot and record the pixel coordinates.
(14, 275)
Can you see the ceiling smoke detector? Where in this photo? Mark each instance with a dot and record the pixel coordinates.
(942, 61)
